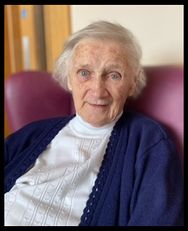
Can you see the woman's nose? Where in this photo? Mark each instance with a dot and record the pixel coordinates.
(99, 87)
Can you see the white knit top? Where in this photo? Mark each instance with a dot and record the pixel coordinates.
(55, 190)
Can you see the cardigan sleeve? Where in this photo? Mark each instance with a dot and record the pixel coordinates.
(23, 147)
(157, 198)
(20, 140)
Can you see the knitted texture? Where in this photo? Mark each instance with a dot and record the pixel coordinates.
(140, 180)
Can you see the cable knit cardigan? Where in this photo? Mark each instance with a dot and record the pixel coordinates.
(140, 180)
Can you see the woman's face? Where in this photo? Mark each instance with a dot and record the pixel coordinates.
(100, 80)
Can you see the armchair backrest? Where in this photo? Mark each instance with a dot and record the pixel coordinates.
(34, 95)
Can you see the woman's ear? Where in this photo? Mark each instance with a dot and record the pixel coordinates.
(132, 87)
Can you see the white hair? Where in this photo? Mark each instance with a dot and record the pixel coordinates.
(103, 30)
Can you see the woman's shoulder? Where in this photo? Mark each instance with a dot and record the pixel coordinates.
(144, 125)
(36, 128)
(146, 133)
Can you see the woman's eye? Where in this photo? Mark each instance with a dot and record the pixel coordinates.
(84, 73)
(115, 76)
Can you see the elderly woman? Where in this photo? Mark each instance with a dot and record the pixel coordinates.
(104, 166)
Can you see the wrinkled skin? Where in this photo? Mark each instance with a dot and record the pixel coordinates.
(100, 80)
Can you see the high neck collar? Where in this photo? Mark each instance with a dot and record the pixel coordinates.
(80, 126)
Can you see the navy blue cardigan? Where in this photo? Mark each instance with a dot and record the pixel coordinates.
(140, 180)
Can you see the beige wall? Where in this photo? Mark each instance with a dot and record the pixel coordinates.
(159, 28)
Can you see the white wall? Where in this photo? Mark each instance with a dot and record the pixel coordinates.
(158, 28)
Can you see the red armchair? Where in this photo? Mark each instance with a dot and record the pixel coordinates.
(34, 95)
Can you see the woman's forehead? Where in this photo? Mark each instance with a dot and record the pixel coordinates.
(98, 50)
(91, 45)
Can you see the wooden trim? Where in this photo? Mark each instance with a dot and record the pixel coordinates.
(29, 32)
(57, 30)
(13, 37)
(7, 64)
